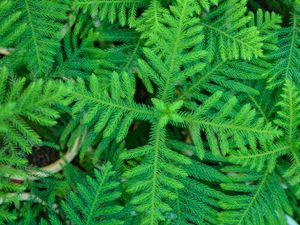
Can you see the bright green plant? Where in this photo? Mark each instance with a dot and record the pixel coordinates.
(183, 111)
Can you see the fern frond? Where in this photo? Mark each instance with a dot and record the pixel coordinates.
(95, 200)
(197, 196)
(12, 28)
(54, 220)
(259, 159)
(197, 203)
(40, 40)
(11, 164)
(230, 76)
(228, 33)
(249, 194)
(111, 112)
(33, 103)
(150, 23)
(262, 103)
(268, 25)
(206, 4)
(6, 216)
(289, 120)
(121, 57)
(228, 127)
(180, 32)
(179, 94)
(266, 156)
(156, 179)
(236, 76)
(81, 57)
(287, 57)
(124, 10)
(292, 174)
(289, 113)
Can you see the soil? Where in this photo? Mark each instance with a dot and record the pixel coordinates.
(42, 156)
(141, 94)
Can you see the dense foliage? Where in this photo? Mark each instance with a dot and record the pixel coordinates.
(182, 111)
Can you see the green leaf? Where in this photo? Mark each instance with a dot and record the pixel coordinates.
(124, 10)
(95, 200)
(228, 33)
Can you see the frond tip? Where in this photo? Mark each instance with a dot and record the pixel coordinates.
(287, 57)
(229, 33)
(289, 120)
(45, 21)
(36, 103)
(249, 192)
(155, 180)
(124, 10)
(228, 127)
(95, 200)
